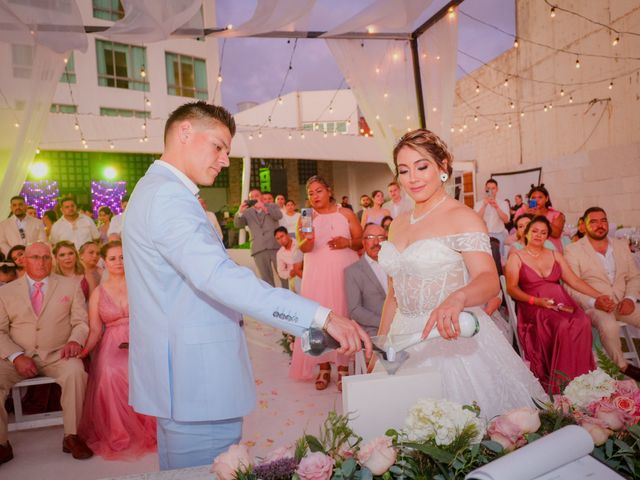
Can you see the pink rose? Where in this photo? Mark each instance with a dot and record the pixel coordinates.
(228, 463)
(596, 428)
(626, 387)
(526, 419)
(280, 453)
(625, 404)
(506, 433)
(315, 466)
(562, 404)
(378, 455)
(612, 417)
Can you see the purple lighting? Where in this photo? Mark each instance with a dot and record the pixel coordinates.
(42, 195)
(107, 194)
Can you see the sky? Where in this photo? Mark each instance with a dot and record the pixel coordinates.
(253, 68)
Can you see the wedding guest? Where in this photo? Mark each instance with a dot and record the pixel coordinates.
(365, 202)
(262, 219)
(495, 213)
(289, 259)
(513, 208)
(104, 220)
(44, 339)
(8, 272)
(345, 203)
(290, 218)
(516, 240)
(32, 212)
(16, 255)
(111, 428)
(554, 332)
(68, 265)
(267, 197)
(115, 226)
(386, 223)
(72, 226)
(366, 283)
(607, 265)
(328, 250)
(20, 228)
(90, 259)
(376, 212)
(580, 231)
(398, 203)
(540, 195)
(49, 217)
(280, 202)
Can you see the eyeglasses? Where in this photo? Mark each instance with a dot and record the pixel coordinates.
(38, 258)
(380, 238)
(22, 234)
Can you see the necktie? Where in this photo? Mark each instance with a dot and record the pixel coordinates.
(37, 297)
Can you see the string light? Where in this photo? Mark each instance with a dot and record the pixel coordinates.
(512, 105)
(37, 151)
(453, 129)
(290, 136)
(17, 125)
(553, 12)
(475, 118)
(230, 26)
(562, 92)
(577, 63)
(111, 145)
(452, 13)
(509, 124)
(331, 109)
(143, 73)
(302, 135)
(147, 101)
(550, 106)
(611, 86)
(615, 42)
(477, 88)
(251, 136)
(515, 43)
(77, 125)
(219, 78)
(386, 95)
(545, 108)
(496, 126)
(260, 134)
(280, 101)
(522, 114)
(434, 109)
(324, 134)
(506, 82)
(570, 99)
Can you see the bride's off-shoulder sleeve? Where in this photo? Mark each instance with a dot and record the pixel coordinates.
(470, 242)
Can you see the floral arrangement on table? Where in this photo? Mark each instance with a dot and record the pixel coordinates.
(444, 440)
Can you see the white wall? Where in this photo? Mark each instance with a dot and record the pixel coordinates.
(358, 179)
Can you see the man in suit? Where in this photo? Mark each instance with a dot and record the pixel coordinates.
(188, 360)
(608, 266)
(366, 283)
(262, 219)
(20, 228)
(365, 202)
(43, 327)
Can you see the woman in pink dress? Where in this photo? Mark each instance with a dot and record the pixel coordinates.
(554, 332)
(110, 426)
(328, 250)
(540, 195)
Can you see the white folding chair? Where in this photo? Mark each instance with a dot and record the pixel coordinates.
(24, 422)
(513, 318)
(631, 355)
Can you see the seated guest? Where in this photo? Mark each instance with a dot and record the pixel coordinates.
(50, 350)
(8, 272)
(581, 229)
(90, 259)
(290, 218)
(49, 217)
(543, 207)
(104, 221)
(398, 203)
(115, 226)
(110, 426)
(32, 212)
(607, 265)
(516, 240)
(68, 265)
(16, 255)
(376, 212)
(386, 223)
(554, 332)
(288, 259)
(72, 226)
(20, 228)
(366, 283)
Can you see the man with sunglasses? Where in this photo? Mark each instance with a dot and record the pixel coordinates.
(20, 228)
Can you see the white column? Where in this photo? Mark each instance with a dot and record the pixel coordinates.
(244, 194)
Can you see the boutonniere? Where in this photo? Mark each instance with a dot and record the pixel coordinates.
(65, 299)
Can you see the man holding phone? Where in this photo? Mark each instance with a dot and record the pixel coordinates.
(262, 220)
(494, 212)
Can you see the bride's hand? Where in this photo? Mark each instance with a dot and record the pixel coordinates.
(445, 318)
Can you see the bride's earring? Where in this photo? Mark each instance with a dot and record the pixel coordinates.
(444, 177)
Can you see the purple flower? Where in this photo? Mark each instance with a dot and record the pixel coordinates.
(282, 469)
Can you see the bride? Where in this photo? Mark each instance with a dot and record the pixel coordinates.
(439, 262)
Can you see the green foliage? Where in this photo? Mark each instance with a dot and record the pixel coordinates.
(286, 342)
(335, 437)
(608, 365)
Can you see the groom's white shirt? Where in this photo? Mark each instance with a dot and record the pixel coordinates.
(188, 358)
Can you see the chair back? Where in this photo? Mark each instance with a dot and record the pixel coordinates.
(511, 309)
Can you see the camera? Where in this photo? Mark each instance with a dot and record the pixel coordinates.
(489, 193)
(306, 220)
(533, 204)
(250, 202)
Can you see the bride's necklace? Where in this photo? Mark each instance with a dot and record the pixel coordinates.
(534, 255)
(413, 220)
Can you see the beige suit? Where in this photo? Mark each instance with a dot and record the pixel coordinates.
(10, 235)
(588, 265)
(63, 319)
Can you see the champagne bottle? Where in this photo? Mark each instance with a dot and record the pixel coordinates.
(315, 342)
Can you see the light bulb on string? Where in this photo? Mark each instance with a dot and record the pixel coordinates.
(260, 134)
(147, 101)
(37, 151)
(452, 13)
(577, 63)
(570, 99)
(465, 126)
(522, 114)
(550, 106)
(512, 105)
(143, 126)
(386, 95)
(83, 141)
(17, 125)
(325, 135)
(515, 43)
(544, 108)
(552, 14)
(611, 85)
(335, 133)
(143, 72)
(377, 117)
(477, 88)
(616, 41)
(453, 129)
(408, 117)
(460, 130)
(290, 136)
(230, 26)
(111, 145)
(302, 135)
(496, 126)
(76, 126)
(330, 109)
(562, 92)
(251, 136)
(510, 125)
(146, 139)
(219, 78)
(434, 109)
(280, 100)
(475, 118)
(506, 82)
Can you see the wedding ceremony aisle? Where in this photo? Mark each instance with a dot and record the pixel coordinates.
(285, 410)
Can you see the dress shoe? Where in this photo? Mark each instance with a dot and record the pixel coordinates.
(6, 453)
(74, 445)
(632, 371)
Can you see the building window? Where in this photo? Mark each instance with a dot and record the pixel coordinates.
(69, 74)
(22, 60)
(121, 66)
(186, 76)
(63, 108)
(306, 170)
(108, 9)
(325, 127)
(123, 112)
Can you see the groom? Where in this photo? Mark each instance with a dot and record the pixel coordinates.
(188, 363)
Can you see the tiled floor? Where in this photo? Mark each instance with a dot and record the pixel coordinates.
(286, 409)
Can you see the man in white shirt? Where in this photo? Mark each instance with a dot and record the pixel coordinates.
(366, 283)
(73, 227)
(398, 203)
(115, 227)
(608, 266)
(494, 212)
(20, 228)
(289, 259)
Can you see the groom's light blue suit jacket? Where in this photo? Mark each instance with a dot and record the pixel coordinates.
(188, 357)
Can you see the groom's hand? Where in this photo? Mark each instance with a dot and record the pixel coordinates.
(349, 335)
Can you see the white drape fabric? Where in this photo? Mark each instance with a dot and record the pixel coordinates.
(383, 16)
(271, 15)
(438, 54)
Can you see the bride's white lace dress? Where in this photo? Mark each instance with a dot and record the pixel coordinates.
(484, 368)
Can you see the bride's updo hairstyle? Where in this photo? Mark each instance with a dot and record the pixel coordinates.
(426, 143)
